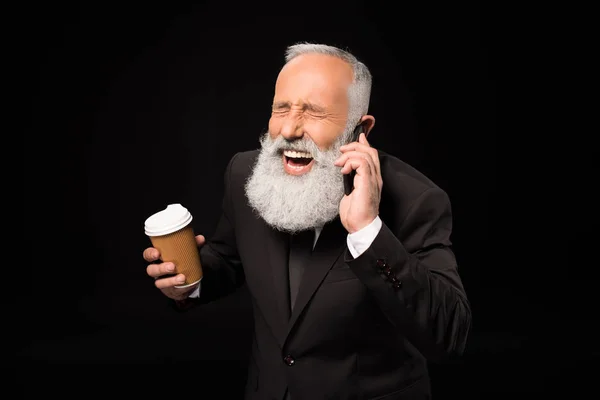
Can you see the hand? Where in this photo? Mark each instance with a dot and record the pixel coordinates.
(164, 276)
(361, 207)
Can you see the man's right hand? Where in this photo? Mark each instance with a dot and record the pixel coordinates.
(164, 274)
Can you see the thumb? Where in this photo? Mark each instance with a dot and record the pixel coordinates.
(363, 139)
(200, 239)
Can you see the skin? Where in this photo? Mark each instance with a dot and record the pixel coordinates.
(310, 99)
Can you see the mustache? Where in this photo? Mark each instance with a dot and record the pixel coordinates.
(280, 144)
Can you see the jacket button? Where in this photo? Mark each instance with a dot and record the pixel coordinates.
(289, 360)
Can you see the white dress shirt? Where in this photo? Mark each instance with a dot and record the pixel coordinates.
(358, 242)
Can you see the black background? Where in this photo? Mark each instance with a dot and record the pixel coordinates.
(133, 106)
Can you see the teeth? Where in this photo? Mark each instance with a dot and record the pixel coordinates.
(296, 154)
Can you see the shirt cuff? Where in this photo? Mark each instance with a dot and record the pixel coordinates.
(359, 241)
(196, 292)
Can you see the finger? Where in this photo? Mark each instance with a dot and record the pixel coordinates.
(371, 171)
(158, 270)
(374, 167)
(362, 142)
(343, 159)
(200, 239)
(366, 176)
(364, 167)
(151, 254)
(363, 146)
(360, 164)
(372, 152)
(164, 283)
(362, 138)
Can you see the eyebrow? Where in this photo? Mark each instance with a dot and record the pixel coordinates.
(306, 106)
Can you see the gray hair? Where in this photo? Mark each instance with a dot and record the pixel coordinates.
(359, 92)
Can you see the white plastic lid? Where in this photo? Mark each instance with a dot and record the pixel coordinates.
(169, 220)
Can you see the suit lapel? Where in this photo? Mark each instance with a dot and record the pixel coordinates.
(330, 245)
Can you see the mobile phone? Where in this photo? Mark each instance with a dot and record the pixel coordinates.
(349, 178)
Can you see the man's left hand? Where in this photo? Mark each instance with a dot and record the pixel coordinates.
(361, 207)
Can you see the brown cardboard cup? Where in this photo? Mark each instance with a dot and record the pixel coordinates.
(171, 233)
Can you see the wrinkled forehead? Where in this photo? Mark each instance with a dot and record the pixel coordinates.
(314, 78)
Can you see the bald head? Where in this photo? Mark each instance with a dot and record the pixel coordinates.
(311, 98)
(316, 78)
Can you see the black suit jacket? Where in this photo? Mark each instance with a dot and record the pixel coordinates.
(362, 328)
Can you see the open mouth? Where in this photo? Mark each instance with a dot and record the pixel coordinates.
(297, 162)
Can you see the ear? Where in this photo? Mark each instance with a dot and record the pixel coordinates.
(368, 122)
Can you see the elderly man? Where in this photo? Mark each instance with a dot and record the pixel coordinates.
(352, 291)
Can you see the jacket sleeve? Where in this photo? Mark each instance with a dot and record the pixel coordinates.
(415, 281)
(221, 265)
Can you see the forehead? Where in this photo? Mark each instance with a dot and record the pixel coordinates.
(314, 78)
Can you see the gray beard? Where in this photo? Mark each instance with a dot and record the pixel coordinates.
(293, 203)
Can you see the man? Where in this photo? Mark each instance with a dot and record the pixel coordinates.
(377, 293)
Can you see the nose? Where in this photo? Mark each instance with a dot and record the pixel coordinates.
(292, 128)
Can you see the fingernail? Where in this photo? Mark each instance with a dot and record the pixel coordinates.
(180, 279)
(170, 267)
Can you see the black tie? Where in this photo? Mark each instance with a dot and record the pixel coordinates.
(301, 245)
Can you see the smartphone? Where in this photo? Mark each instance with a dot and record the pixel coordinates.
(349, 178)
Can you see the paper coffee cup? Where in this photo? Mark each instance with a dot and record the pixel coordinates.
(172, 234)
